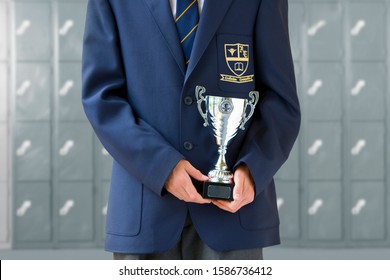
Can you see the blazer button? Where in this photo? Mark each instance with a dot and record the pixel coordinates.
(188, 146)
(188, 100)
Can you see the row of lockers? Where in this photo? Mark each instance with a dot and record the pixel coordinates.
(324, 152)
(331, 30)
(326, 212)
(328, 88)
(76, 212)
(75, 157)
(73, 214)
(39, 26)
(333, 189)
(335, 30)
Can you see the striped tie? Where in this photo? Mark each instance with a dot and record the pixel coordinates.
(187, 18)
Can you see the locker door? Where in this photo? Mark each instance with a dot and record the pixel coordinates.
(32, 152)
(71, 29)
(32, 212)
(69, 93)
(368, 211)
(296, 17)
(290, 169)
(74, 152)
(4, 230)
(367, 90)
(32, 31)
(75, 212)
(3, 152)
(3, 92)
(324, 211)
(33, 91)
(324, 91)
(288, 206)
(367, 151)
(323, 151)
(3, 31)
(367, 28)
(105, 162)
(325, 31)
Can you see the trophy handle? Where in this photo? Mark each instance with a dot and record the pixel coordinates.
(199, 91)
(254, 95)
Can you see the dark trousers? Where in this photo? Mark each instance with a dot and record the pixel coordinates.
(191, 247)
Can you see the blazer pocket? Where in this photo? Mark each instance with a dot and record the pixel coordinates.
(124, 204)
(262, 213)
(235, 63)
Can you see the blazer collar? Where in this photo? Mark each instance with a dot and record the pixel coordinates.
(212, 15)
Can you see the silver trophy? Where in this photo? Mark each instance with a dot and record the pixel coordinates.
(227, 115)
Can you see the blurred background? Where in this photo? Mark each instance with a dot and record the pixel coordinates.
(333, 193)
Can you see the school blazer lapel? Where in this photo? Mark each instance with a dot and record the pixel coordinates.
(212, 15)
(162, 13)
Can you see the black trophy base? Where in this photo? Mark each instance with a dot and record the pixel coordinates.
(218, 191)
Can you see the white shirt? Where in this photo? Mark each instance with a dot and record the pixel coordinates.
(173, 6)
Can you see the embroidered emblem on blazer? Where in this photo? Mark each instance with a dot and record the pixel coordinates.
(237, 59)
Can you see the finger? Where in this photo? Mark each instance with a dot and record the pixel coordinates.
(195, 173)
(193, 195)
(231, 207)
(238, 189)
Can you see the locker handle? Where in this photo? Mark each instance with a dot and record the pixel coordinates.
(360, 85)
(358, 147)
(104, 210)
(360, 24)
(23, 27)
(361, 203)
(22, 150)
(315, 87)
(69, 204)
(318, 203)
(105, 152)
(69, 84)
(313, 30)
(315, 147)
(68, 25)
(23, 88)
(22, 210)
(280, 202)
(65, 149)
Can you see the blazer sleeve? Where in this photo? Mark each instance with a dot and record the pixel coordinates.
(134, 144)
(275, 124)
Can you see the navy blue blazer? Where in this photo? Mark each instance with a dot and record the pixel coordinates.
(140, 99)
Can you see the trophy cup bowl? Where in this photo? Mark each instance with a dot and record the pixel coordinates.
(227, 115)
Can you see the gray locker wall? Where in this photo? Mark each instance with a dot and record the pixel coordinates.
(332, 192)
(5, 235)
(61, 173)
(59, 196)
(341, 197)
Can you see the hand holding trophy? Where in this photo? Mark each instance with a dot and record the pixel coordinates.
(227, 115)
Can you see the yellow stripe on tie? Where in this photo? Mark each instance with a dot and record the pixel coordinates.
(193, 2)
(188, 35)
(188, 62)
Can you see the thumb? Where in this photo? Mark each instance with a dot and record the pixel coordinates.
(239, 184)
(195, 173)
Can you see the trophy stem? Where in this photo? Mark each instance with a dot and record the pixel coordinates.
(221, 163)
(221, 174)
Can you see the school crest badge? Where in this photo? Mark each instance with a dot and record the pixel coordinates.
(237, 59)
